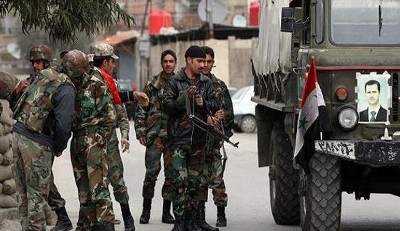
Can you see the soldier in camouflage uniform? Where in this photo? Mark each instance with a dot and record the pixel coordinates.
(93, 125)
(214, 169)
(41, 57)
(43, 117)
(151, 131)
(103, 61)
(188, 91)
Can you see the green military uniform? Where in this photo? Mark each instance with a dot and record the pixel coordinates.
(214, 171)
(151, 122)
(92, 129)
(187, 143)
(38, 131)
(116, 168)
(54, 199)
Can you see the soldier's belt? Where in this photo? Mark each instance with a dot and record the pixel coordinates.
(86, 131)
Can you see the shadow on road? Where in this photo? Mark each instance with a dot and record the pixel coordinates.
(371, 225)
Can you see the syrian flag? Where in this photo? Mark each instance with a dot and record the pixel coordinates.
(313, 118)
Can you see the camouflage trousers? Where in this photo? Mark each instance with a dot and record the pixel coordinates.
(91, 172)
(32, 174)
(187, 168)
(154, 150)
(54, 199)
(116, 170)
(214, 176)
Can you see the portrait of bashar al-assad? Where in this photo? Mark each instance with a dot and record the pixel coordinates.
(374, 112)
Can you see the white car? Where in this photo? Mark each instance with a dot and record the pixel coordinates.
(244, 110)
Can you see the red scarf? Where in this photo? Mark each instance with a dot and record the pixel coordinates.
(111, 86)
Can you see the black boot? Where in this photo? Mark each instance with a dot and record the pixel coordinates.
(221, 218)
(202, 219)
(104, 227)
(166, 215)
(145, 217)
(127, 216)
(192, 221)
(178, 226)
(63, 221)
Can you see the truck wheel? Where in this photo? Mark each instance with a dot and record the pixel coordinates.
(248, 124)
(302, 197)
(324, 194)
(283, 179)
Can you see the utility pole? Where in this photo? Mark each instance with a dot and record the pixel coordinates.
(144, 17)
(209, 13)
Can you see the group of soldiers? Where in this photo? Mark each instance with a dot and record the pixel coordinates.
(80, 95)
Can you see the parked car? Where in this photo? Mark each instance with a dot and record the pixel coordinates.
(244, 110)
(232, 91)
(130, 106)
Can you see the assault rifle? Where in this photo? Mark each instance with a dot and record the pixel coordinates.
(211, 130)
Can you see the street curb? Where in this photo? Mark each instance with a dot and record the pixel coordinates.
(9, 213)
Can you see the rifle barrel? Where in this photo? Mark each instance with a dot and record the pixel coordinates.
(211, 129)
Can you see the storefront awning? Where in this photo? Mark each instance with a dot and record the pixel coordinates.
(120, 38)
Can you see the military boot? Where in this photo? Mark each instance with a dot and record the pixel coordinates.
(202, 218)
(221, 218)
(179, 225)
(145, 217)
(129, 223)
(166, 216)
(63, 221)
(104, 227)
(192, 221)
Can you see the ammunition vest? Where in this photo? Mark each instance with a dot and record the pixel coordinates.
(35, 105)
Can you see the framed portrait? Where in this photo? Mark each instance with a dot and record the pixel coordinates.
(373, 97)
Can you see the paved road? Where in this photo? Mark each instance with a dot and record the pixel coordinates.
(248, 206)
(246, 185)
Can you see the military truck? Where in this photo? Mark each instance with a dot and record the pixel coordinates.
(356, 48)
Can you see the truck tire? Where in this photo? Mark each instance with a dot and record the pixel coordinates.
(324, 194)
(302, 197)
(284, 179)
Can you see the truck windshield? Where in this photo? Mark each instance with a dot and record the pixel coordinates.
(365, 22)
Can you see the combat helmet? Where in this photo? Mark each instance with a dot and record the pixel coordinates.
(41, 52)
(75, 63)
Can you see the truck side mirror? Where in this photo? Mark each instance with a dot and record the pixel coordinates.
(287, 19)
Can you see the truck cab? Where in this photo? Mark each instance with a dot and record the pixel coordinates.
(356, 47)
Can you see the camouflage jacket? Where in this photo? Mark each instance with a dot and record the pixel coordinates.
(13, 97)
(45, 110)
(224, 101)
(94, 108)
(35, 105)
(122, 121)
(151, 121)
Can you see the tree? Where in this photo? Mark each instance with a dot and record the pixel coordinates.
(64, 19)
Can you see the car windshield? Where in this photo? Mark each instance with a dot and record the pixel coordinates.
(124, 84)
(232, 91)
(239, 93)
(365, 22)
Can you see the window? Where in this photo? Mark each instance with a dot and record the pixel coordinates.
(365, 22)
(319, 27)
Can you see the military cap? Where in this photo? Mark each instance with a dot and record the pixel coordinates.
(103, 49)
